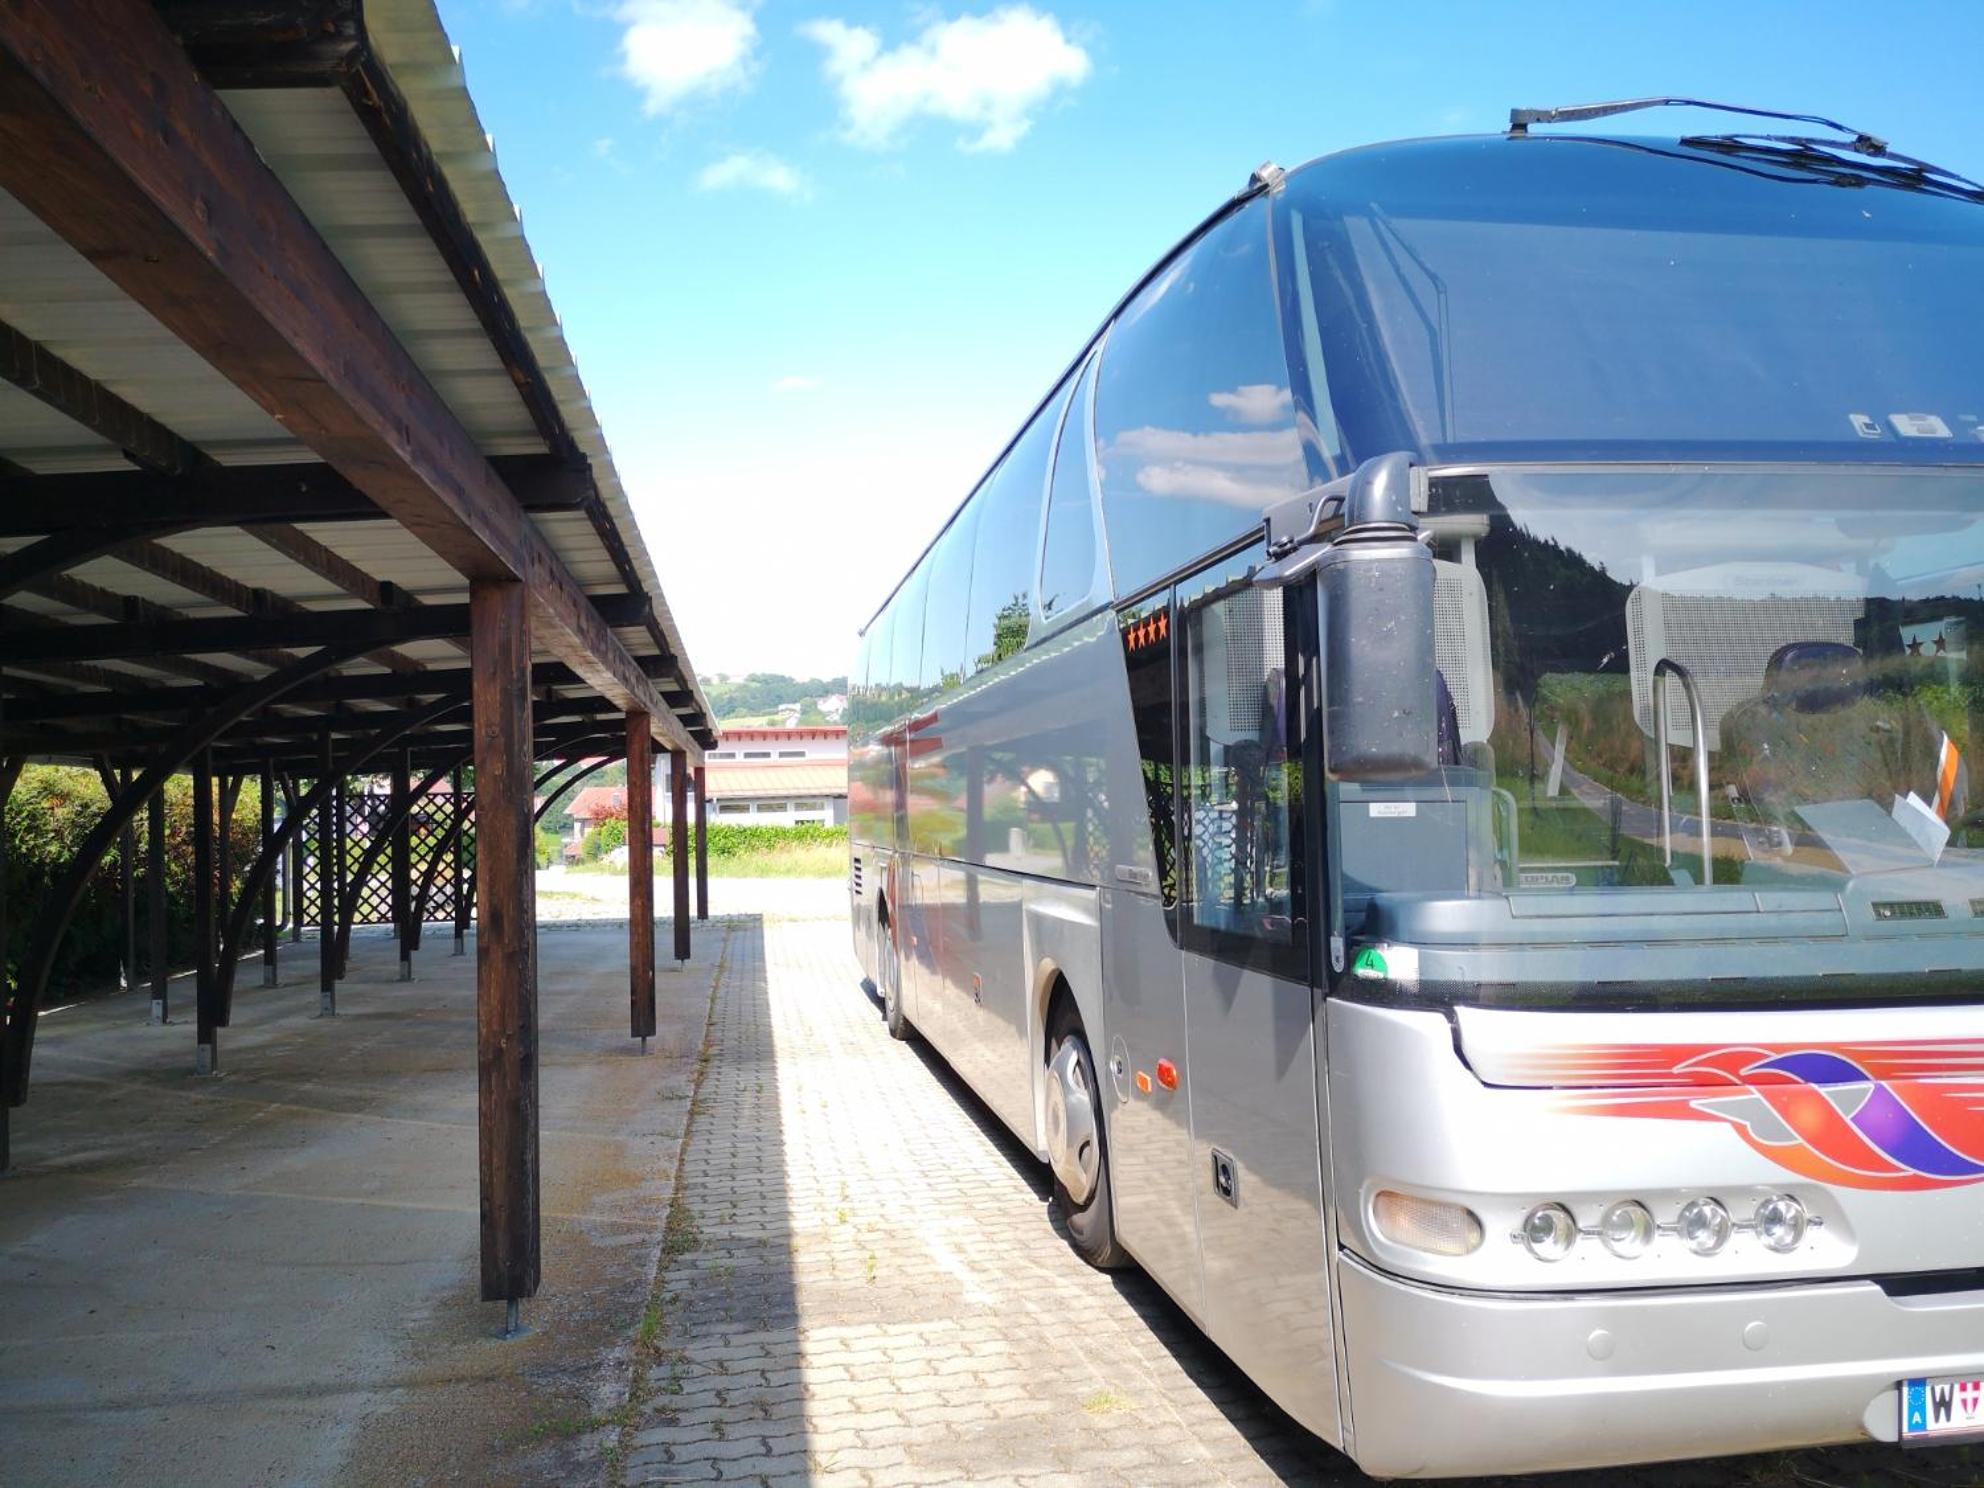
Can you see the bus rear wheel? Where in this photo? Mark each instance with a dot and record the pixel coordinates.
(1078, 1150)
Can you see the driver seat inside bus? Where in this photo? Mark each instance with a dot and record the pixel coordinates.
(1821, 732)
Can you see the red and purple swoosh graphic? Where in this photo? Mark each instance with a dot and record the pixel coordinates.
(1896, 1116)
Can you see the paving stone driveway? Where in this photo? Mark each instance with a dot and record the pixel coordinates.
(863, 1282)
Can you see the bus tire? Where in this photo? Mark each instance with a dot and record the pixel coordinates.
(896, 1020)
(1091, 1221)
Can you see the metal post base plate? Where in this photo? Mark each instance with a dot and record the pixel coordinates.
(513, 1321)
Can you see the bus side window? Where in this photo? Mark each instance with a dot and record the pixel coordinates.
(1068, 567)
(1194, 421)
(1006, 551)
(1240, 778)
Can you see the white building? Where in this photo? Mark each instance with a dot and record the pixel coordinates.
(772, 777)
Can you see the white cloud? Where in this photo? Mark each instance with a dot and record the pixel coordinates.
(991, 73)
(603, 146)
(753, 170)
(794, 383)
(677, 50)
(1254, 403)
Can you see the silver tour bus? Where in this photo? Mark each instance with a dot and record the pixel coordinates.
(1431, 784)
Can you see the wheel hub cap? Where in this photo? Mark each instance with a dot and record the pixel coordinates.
(1072, 1147)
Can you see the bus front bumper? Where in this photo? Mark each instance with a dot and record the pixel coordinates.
(1448, 1384)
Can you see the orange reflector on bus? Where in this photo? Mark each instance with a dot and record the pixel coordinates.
(1143, 1083)
(1167, 1074)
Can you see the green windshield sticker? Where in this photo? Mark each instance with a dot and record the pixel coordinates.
(1369, 964)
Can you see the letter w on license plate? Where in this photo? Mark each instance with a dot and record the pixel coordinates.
(1950, 1406)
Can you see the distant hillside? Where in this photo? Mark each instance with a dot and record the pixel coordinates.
(761, 694)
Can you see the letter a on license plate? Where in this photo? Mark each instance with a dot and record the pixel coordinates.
(1950, 1406)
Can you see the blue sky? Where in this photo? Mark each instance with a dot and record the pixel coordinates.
(817, 261)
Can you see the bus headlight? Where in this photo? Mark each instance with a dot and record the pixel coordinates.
(1548, 1232)
(1626, 1228)
(1704, 1225)
(1781, 1222)
(1431, 1225)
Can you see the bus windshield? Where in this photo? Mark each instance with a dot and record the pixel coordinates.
(1524, 299)
(1815, 641)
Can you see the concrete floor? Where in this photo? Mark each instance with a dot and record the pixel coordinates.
(271, 1277)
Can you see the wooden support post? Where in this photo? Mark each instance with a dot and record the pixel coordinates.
(506, 941)
(459, 847)
(327, 893)
(702, 843)
(340, 867)
(402, 857)
(269, 975)
(230, 797)
(206, 1052)
(640, 875)
(8, 769)
(678, 845)
(127, 891)
(157, 924)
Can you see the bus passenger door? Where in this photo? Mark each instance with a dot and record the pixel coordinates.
(1249, 1010)
(1151, 1165)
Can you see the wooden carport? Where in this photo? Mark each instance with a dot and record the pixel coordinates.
(297, 479)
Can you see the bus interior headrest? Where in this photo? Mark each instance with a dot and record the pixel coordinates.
(1814, 676)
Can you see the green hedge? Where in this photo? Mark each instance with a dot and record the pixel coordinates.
(734, 839)
(50, 812)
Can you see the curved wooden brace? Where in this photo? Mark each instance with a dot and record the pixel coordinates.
(556, 796)
(381, 836)
(60, 905)
(550, 800)
(306, 807)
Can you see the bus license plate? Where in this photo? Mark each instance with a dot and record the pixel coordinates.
(1952, 1405)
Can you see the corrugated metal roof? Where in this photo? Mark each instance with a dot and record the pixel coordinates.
(428, 69)
(320, 150)
(728, 782)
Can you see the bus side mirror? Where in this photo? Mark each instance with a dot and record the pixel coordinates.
(1374, 586)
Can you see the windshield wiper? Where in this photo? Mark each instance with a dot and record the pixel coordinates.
(1855, 158)
(1860, 166)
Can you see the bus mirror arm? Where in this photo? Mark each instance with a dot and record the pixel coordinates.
(1385, 488)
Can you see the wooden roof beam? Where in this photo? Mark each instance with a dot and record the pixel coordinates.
(111, 137)
(138, 503)
(37, 371)
(449, 682)
(26, 643)
(195, 577)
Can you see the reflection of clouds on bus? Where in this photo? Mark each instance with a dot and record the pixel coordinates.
(1256, 403)
(1251, 467)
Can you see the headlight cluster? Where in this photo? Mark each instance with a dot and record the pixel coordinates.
(1628, 1229)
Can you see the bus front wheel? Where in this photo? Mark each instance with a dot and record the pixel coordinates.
(1078, 1150)
(892, 1013)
